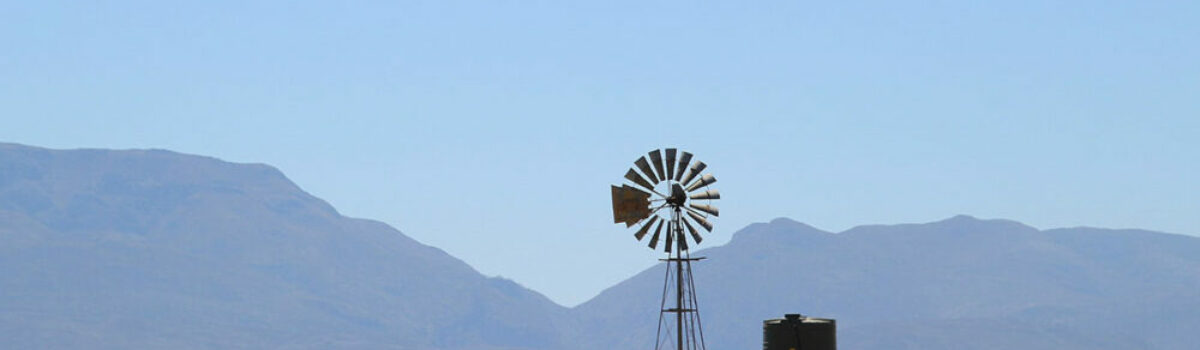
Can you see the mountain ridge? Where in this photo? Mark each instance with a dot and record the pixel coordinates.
(940, 285)
(120, 249)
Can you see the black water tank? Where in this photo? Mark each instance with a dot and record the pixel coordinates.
(796, 332)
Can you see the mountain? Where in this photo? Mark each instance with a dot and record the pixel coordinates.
(104, 249)
(155, 249)
(960, 283)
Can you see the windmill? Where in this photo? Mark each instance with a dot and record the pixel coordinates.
(671, 195)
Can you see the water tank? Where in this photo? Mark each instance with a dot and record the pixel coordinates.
(796, 332)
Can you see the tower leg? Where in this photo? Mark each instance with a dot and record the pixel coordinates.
(679, 298)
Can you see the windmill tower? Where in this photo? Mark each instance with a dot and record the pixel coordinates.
(671, 195)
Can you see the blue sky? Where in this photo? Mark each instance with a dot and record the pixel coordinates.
(493, 129)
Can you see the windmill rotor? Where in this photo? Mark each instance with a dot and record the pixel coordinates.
(667, 190)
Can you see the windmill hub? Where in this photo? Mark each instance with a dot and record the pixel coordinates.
(678, 195)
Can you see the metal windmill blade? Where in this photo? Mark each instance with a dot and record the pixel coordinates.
(645, 168)
(700, 220)
(645, 228)
(705, 180)
(683, 163)
(632, 175)
(711, 210)
(692, 172)
(670, 237)
(654, 238)
(657, 160)
(709, 194)
(682, 240)
(692, 230)
(670, 164)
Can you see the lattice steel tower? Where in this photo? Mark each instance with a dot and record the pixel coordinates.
(681, 197)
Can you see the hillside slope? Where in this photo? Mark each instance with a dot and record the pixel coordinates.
(961, 283)
(155, 249)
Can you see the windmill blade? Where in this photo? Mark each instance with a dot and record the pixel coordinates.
(645, 228)
(682, 241)
(632, 175)
(692, 230)
(645, 168)
(700, 220)
(709, 194)
(670, 164)
(654, 238)
(670, 238)
(630, 205)
(693, 172)
(705, 180)
(683, 163)
(657, 160)
(711, 210)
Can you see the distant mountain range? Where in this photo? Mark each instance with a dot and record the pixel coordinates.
(105, 249)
